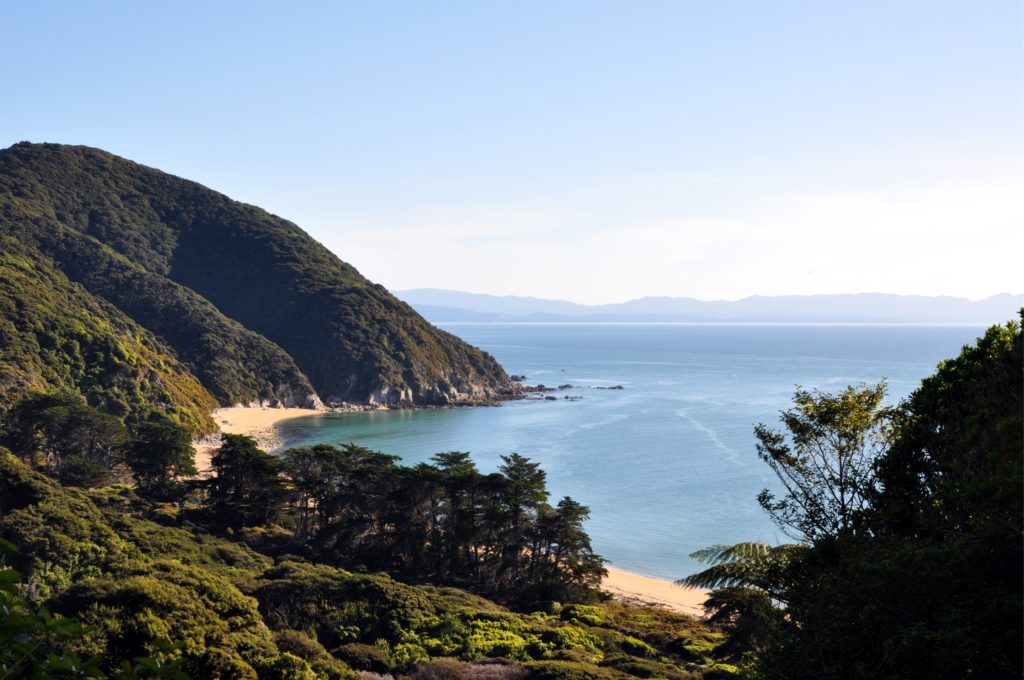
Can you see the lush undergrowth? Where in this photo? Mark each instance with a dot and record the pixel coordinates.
(139, 576)
(54, 335)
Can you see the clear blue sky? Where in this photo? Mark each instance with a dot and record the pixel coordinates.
(595, 151)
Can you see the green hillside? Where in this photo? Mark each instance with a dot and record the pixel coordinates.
(56, 336)
(253, 305)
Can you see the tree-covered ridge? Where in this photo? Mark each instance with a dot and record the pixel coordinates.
(352, 338)
(56, 336)
(235, 364)
(257, 605)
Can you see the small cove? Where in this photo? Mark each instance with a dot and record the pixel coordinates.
(667, 464)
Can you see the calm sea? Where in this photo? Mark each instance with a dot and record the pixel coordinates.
(667, 465)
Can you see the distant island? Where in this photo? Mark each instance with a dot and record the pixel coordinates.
(440, 306)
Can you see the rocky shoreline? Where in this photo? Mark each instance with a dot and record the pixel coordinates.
(259, 419)
(383, 401)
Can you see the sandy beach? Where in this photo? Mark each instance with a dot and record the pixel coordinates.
(646, 590)
(256, 422)
(259, 423)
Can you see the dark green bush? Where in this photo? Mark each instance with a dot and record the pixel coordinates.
(567, 670)
(364, 657)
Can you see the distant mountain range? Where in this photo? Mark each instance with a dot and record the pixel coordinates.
(439, 306)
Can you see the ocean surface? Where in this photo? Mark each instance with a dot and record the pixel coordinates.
(667, 465)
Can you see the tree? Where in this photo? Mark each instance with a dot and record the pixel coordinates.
(747, 590)
(313, 471)
(247, 488)
(159, 450)
(359, 498)
(826, 462)
(460, 479)
(955, 467)
(62, 434)
(562, 561)
(523, 490)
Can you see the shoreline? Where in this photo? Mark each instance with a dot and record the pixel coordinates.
(649, 591)
(259, 422)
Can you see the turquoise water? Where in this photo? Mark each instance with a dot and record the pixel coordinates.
(667, 465)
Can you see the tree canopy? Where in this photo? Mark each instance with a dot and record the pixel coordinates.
(825, 460)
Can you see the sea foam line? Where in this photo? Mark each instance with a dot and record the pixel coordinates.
(712, 435)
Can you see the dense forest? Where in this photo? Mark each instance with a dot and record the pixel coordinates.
(324, 563)
(250, 304)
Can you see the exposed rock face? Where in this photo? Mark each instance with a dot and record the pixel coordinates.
(286, 397)
(443, 395)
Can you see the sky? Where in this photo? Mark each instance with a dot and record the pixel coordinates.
(593, 151)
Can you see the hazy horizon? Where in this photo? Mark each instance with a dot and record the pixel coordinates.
(588, 151)
(399, 291)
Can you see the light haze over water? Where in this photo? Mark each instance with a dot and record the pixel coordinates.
(667, 465)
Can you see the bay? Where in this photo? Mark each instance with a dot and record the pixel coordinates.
(667, 464)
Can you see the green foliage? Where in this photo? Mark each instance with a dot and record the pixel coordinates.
(160, 450)
(443, 523)
(825, 460)
(315, 654)
(81, 446)
(246, 488)
(62, 434)
(33, 642)
(568, 670)
(636, 647)
(135, 573)
(142, 602)
(592, 616)
(744, 565)
(954, 467)
(248, 301)
(54, 335)
(36, 644)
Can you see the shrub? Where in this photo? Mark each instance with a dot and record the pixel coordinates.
(635, 647)
(571, 637)
(646, 668)
(140, 603)
(588, 614)
(567, 670)
(288, 667)
(486, 669)
(493, 639)
(364, 657)
(441, 669)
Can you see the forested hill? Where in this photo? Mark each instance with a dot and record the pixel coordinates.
(249, 303)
